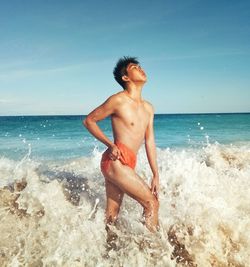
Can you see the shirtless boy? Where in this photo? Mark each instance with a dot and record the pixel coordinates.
(132, 124)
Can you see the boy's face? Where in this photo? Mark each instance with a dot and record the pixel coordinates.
(135, 73)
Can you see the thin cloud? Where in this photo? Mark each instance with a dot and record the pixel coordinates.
(14, 64)
(24, 73)
(17, 74)
(7, 101)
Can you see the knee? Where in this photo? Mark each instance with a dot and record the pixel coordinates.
(152, 203)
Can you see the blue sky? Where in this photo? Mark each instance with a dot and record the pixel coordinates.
(57, 57)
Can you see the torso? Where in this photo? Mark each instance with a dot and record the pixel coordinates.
(130, 121)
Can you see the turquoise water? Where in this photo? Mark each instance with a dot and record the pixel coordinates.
(63, 137)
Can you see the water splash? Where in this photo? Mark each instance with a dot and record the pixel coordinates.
(52, 213)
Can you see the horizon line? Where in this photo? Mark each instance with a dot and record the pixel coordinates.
(181, 113)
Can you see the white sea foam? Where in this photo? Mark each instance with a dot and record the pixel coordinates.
(52, 213)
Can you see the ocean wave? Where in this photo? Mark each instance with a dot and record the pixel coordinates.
(52, 212)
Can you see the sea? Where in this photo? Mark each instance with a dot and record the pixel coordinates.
(52, 194)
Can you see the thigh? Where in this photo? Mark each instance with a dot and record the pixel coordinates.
(114, 194)
(129, 182)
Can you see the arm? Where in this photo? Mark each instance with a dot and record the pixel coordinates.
(100, 113)
(151, 153)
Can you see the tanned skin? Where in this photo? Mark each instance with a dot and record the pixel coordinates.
(132, 124)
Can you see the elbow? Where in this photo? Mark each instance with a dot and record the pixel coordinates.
(86, 122)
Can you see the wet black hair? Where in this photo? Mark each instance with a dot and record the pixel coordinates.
(121, 68)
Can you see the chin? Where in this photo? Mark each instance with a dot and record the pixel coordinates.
(142, 81)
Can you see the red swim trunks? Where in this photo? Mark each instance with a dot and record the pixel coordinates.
(127, 157)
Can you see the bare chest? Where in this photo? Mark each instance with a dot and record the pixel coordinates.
(135, 117)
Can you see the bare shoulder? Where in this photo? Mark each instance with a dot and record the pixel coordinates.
(115, 98)
(149, 107)
(120, 95)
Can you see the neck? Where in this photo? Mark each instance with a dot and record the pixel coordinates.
(134, 91)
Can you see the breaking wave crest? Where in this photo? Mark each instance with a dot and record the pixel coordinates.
(52, 213)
